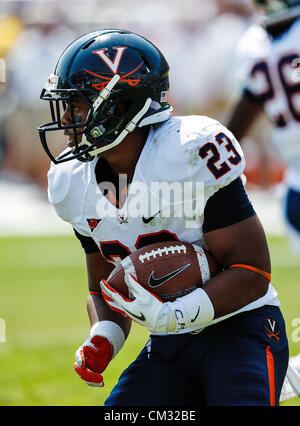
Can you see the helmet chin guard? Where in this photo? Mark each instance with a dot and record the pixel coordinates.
(106, 68)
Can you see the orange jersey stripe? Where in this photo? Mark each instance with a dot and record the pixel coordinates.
(271, 373)
(252, 268)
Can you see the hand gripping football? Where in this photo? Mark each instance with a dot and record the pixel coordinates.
(168, 269)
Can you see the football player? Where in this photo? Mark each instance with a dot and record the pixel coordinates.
(272, 87)
(223, 344)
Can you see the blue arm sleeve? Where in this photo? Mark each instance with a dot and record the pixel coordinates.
(227, 206)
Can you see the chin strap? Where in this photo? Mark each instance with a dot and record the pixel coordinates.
(103, 95)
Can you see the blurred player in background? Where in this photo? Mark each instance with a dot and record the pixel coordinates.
(272, 87)
(228, 346)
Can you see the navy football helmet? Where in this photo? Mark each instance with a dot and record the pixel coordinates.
(279, 11)
(106, 68)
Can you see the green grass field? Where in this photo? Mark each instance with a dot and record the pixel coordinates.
(43, 295)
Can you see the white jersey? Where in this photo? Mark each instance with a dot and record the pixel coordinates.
(273, 79)
(183, 163)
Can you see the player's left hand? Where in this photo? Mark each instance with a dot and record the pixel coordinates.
(146, 308)
(92, 358)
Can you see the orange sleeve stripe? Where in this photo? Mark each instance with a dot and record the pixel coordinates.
(271, 374)
(252, 268)
(95, 292)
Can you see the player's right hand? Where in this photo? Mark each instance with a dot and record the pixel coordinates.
(92, 358)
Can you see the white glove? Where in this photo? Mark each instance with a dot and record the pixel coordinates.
(146, 309)
(150, 311)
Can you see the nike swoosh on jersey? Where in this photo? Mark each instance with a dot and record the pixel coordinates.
(156, 282)
(148, 219)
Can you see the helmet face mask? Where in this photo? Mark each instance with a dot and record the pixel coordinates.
(106, 69)
(58, 102)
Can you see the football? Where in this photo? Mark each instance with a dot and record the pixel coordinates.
(168, 269)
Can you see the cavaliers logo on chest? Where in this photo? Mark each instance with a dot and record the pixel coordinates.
(93, 223)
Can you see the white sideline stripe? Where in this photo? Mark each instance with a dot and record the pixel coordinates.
(203, 264)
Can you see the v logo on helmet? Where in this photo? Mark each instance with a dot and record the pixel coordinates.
(113, 65)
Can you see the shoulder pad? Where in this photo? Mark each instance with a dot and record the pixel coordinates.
(254, 45)
(179, 144)
(66, 188)
(173, 142)
(59, 180)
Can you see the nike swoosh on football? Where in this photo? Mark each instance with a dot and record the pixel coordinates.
(156, 282)
(148, 219)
